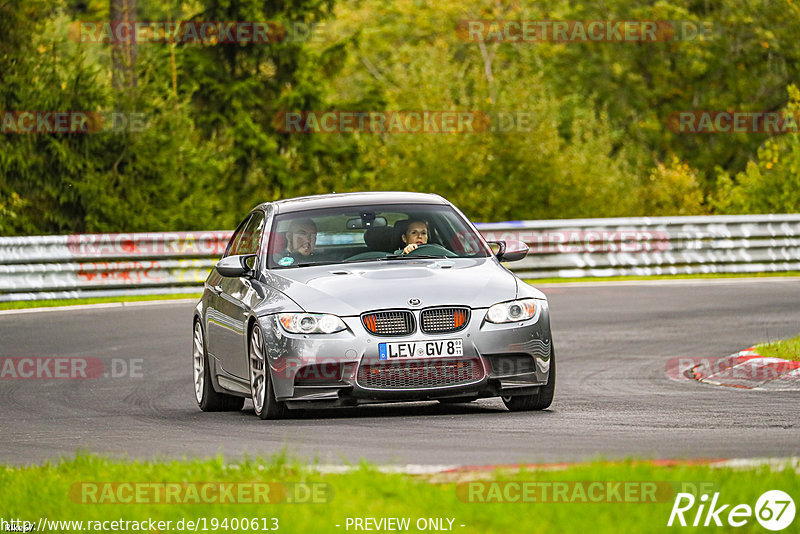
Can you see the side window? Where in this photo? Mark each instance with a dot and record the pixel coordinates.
(235, 238)
(251, 237)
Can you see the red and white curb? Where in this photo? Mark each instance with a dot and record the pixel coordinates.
(775, 464)
(745, 370)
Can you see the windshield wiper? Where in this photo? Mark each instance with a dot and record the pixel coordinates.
(414, 257)
(395, 257)
(313, 263)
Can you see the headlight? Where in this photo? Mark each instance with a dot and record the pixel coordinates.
(509, 312)
(310, 323)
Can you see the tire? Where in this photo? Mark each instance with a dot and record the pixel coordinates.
(207, 398)
(261, 389)
(540, 400)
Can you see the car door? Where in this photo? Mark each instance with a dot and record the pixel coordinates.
(233, 304)
(215, 323)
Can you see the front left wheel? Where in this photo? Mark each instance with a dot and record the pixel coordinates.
(261, 389)
(540, 400)
(207, 398)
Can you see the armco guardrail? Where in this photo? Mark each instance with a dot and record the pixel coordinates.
(48, 267)
(151, 263)
(654, 245)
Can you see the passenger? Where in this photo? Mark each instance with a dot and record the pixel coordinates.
(416, 234)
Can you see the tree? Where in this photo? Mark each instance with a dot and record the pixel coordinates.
(123, 52)
(770, 183)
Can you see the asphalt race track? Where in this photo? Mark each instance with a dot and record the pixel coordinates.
(613, 398)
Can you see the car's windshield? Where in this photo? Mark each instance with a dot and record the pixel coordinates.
(371, 233)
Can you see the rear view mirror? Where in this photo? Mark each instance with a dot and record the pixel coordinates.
(360, 223)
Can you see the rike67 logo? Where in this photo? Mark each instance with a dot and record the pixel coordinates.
(774, 510)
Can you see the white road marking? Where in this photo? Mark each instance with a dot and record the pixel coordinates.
(99, 306)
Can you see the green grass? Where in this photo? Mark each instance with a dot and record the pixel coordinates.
(534, 281)
(788, 349)
(54, 491)
(22, 304)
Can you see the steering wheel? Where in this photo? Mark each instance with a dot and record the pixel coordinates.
(432, 249)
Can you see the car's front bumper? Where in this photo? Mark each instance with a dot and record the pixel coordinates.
(344, 368)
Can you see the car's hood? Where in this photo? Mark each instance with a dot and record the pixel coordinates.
(351, 289)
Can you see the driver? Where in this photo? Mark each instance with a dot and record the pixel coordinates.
(416, 234)
(301, 240)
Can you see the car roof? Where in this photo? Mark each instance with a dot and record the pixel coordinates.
(352, 199)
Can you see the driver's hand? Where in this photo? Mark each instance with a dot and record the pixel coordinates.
(409, 248)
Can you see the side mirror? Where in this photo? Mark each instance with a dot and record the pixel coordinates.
(236, 266)
(511, 250)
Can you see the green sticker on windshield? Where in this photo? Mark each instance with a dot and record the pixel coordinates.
(288, 260)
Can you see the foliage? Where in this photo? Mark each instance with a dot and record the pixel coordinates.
(672, 189)
(595, 144)
(525, 169)
(771, 183)
(207, 151)
(742, 59)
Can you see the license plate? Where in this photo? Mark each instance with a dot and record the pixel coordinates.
(420, 349)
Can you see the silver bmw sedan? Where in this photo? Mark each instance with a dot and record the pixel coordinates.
(344, 299)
